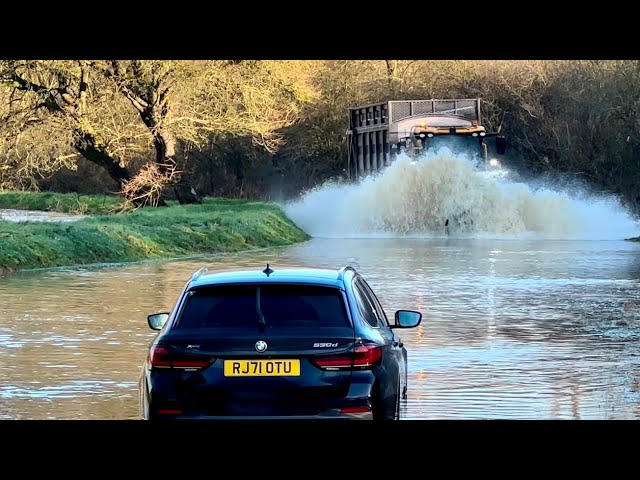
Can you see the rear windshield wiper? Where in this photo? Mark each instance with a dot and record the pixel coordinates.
(261, 322)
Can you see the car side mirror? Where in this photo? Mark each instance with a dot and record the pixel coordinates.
(157, 320)
(407, 319)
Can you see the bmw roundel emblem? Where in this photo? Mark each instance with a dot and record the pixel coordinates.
(261, 346)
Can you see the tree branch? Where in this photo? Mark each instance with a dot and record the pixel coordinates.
(118, 76)
(83, 86)
(27, 85)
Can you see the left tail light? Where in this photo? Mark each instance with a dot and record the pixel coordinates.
(161, 356)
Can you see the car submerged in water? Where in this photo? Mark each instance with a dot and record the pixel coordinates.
(284, 344)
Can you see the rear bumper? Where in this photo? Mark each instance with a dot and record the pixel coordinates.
(349, 407)
(328, 415)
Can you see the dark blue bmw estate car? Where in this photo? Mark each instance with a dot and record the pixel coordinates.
(286, 344)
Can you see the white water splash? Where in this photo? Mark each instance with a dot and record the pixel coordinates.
(416, 198)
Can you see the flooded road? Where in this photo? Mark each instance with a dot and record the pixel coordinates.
(512, 329)
(531, 305)
(12, 215)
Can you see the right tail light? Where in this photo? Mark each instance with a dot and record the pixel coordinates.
(362, 357)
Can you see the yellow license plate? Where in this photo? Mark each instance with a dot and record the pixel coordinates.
(262, 368)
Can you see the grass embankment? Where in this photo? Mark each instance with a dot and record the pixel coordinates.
(61, 202)
(216, 226)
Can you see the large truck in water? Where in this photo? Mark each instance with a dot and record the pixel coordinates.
(379, 132)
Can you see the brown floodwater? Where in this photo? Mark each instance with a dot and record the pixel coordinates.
(12, 215)
(525, 329)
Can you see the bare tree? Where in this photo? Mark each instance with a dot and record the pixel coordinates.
(195, 100)
(176, 102)
(63, 98)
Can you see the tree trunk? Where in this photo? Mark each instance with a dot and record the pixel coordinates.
(185, 194)
(88, 147)
(165, 146)
(392, 73)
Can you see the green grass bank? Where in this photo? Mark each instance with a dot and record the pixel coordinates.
(61, 202)
(217, 226)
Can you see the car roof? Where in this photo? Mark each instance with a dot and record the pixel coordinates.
(299, 275)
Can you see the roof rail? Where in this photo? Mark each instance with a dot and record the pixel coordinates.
(344, 270)
(197, 274)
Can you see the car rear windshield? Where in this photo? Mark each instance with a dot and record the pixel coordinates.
(281, 306)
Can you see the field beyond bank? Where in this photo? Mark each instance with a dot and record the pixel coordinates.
(216, 226)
